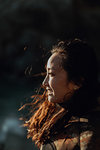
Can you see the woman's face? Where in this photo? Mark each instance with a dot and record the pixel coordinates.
(56, 82)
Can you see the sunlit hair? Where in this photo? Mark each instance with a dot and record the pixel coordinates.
(44, 115)
(48, 119)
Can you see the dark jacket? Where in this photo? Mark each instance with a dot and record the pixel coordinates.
(82, 134)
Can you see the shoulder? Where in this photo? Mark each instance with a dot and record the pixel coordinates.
(84, 135)
(85, 141)
(48, 146)
(82, 141)
(66, 144)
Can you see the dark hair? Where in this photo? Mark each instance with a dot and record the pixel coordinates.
(79, 60)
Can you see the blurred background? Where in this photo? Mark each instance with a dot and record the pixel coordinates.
(28, 29)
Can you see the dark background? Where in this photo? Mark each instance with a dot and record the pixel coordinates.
(28, 29)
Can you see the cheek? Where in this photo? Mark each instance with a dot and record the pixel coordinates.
(58, 85)
(52, 83)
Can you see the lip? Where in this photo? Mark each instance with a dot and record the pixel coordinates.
(48, 89)
(49, 92)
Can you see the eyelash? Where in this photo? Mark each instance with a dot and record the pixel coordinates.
(52, 74)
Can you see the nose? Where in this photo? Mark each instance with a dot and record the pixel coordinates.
(45, 82)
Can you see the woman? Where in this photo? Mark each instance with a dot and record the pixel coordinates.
(67, 117)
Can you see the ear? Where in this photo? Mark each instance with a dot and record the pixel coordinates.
(76, 87)
(73, 86)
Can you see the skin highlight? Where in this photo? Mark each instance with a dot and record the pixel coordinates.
(56, 81)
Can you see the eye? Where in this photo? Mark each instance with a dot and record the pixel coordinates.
(51, 74)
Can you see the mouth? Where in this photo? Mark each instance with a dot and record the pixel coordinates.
(49, 91)
(49, 94)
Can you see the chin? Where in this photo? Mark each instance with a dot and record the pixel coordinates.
(52, 99)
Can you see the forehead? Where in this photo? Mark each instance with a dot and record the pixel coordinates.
(54, 62)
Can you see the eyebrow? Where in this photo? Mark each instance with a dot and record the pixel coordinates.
(49, 68)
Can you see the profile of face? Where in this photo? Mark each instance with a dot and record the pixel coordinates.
(56, 82)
